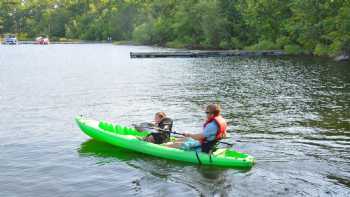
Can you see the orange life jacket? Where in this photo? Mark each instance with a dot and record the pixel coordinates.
(221, 122)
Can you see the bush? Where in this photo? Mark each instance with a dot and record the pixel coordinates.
(282, 41)
(340, 46)
(321, 50)
(263, 45)
(205, 44)
(175, 44)
(142, 34)
(293, 49)
(235, 43)
(225, 45)
(22, 36)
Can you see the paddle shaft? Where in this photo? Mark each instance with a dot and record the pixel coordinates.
(177, 133)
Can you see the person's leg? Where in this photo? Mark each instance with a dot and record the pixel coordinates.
(158, 138)
(149, 139)
(185, 144)
(190, 144)
(176, 144)
(181, 139)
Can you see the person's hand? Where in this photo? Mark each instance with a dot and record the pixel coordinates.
(187, 134)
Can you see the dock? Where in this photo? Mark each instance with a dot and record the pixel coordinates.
(194, 54)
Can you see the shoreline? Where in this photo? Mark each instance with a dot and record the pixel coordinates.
(199, 52)
(207, 53)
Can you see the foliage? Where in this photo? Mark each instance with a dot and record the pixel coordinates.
(293, 49)
(321, 27)
(263, 45)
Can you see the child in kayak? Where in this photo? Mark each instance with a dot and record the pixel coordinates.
(162, 126)
(214, 129)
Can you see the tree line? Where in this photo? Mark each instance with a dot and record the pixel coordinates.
(319, 27)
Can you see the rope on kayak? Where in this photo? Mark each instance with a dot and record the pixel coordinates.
(199, 161)
(210, 154)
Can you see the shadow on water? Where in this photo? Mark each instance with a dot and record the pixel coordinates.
(106, 153)
(339, 180)
(204, 180)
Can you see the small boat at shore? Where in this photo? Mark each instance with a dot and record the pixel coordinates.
(131, 139)
(42, 40)
(10, 39)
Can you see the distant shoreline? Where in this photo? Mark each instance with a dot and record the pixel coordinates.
(225, 52)
(339, 58)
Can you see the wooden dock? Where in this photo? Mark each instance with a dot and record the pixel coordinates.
(189, 54)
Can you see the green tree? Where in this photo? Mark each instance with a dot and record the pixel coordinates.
(319, 27)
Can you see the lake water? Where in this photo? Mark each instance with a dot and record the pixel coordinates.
(292, 114)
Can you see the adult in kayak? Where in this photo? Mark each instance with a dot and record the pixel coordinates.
(214, 129)
(162, 127)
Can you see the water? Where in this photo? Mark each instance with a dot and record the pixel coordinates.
(292, 114)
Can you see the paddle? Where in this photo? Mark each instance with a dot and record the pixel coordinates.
(177, 133)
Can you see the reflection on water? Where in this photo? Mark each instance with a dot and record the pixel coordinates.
(105, 154)
(100, 149)
(292, 114)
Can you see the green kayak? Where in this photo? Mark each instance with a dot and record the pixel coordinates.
(131, 139)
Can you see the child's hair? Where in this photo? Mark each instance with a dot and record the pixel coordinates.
(161, 115)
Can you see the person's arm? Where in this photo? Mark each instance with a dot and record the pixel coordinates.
(151, 124)
(198, 136)
(208, 132)
(145, 126)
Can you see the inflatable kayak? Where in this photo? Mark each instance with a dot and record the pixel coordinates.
(131, 139)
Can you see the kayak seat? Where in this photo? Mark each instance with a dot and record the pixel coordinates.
(220, 151)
